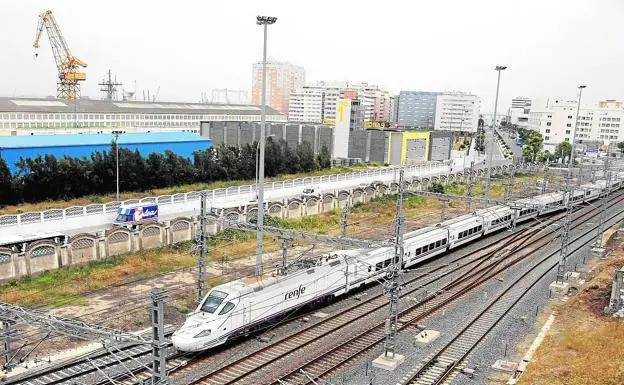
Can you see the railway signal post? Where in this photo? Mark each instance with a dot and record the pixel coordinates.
(389, 360)
(8, 352)
(201, 249)
(159, 344)
(470, 184)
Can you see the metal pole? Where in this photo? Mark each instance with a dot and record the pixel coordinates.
(391, 285)
(201, 245)
(545, 180)
(573, 142)
(260, 189)
(565, 232)
(117, 162)
(491, 141)
(284, 255)
(470, 184)
(8, 353)
(343, 220)
(159, 344)
(603, 203)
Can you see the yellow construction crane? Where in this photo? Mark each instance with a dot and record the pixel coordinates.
(69, 77)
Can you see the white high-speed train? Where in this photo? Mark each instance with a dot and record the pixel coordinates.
(234, 308)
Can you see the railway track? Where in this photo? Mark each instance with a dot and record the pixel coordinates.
(448, 360)
(322, 365)
(240, 370)
(481, 262)
(178, 367)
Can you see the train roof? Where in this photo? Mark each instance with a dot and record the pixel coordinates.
(453, 221)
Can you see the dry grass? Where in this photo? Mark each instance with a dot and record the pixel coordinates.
(100, 199)
(584, 346)
(65, 286)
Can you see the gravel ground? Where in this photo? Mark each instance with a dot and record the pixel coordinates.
(450, 322)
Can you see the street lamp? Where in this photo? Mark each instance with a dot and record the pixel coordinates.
(264, 21)
(498, 69)
(258, 162)
(117, 133)
(573, 141)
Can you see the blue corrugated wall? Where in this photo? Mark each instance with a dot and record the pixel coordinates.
(186, 149)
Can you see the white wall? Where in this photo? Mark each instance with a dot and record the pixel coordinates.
(457, 112)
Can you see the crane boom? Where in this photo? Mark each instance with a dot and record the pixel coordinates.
(68, 65)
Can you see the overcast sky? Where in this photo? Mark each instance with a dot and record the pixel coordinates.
(190, 47)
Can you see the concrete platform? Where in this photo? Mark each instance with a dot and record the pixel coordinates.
(425, 337)
(559, 287)
(320, 314)
(505, 366)
(386, 363)
(598, 251)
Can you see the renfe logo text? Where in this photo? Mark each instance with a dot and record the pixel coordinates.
(295, 293)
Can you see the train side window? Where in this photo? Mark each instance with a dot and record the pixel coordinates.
(444, 241)
(227, 308)
(370, 268)
(418, 251)
(438, 243)
(379, 266)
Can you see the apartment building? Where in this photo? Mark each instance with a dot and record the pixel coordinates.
(457, 111)
(519, 111)
(305, 102)
(555, 118)
(282, 78)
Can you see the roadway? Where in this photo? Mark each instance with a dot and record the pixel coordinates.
(94, 218)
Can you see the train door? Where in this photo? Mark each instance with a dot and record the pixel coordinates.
(246, 311)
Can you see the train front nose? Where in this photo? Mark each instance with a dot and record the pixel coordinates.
(185, 341)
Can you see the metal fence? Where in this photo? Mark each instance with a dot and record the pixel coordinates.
(93, 215)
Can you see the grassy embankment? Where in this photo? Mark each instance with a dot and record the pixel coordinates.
(99, 199)
(66, 286)
(583, 346)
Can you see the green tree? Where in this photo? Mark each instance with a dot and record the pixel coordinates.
(437, 188)
(533, 146)
(621, 147)
(563, 151)
(6, 184)
(324, 158)
(307, 160)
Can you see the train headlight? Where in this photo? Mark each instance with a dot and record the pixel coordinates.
(204, 333)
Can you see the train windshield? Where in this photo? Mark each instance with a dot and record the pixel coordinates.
(213, 301)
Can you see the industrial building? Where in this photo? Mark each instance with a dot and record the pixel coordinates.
(83, 145)
(239, 134)
(372, 145)
(32, 116)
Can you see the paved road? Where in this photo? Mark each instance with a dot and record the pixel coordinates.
(95, 218)
(515, 149)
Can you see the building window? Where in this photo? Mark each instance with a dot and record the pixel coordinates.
(569, 116)
(548, 130)
(547, 137)
(549, 124)
(569, 125)
(567, 131)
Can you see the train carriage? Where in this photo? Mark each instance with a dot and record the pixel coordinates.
(463, 229)
(576, 197)
(592, 191)
(524, 210)
(495, 218)
(425, 244)
(548, 203)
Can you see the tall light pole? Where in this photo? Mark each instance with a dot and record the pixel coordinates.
(572, 140)
(117, 133)
(488, 175)
(264, 21)
(258, 162)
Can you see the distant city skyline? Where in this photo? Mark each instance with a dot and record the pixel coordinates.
(197, 47)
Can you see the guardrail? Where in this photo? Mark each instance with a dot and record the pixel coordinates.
(78, 217)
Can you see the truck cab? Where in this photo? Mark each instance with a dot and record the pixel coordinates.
(134, 216)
